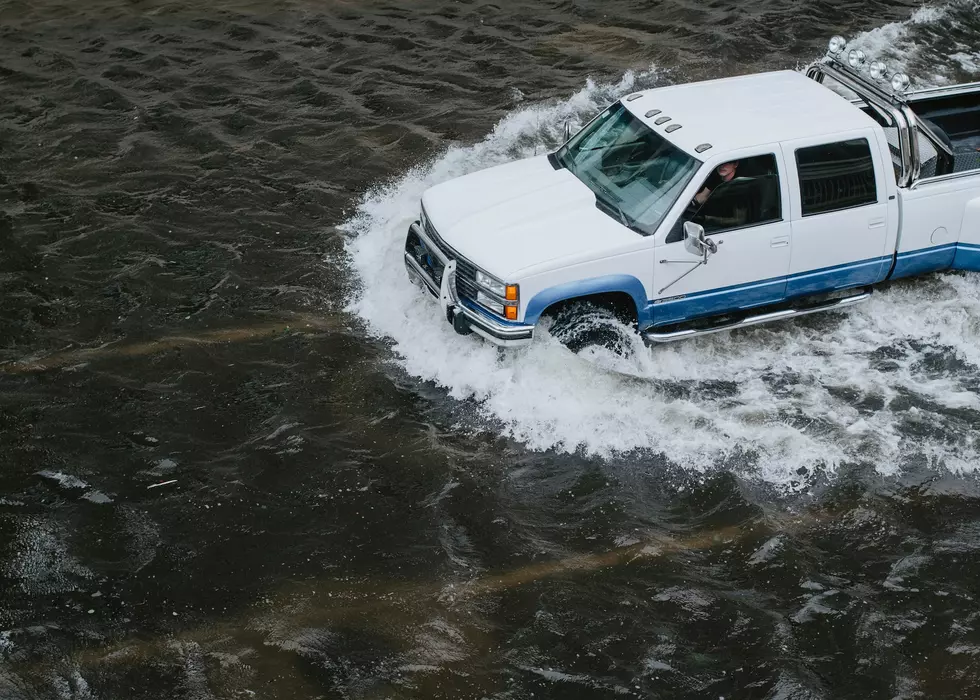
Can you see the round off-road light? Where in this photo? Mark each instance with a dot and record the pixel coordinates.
(836, 45)
(856, 58)
(900, 82)
(878, 70)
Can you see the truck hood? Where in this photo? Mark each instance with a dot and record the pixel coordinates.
(521, 214)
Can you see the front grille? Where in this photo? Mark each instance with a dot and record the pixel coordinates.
(465, 278)
(465, 270)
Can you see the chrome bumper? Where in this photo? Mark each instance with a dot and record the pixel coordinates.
(465, 318)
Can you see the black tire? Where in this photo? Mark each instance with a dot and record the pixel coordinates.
(579, 325)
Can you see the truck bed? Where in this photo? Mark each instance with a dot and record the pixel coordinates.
(956, 120)
(966, 153)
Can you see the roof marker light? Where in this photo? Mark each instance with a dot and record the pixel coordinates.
(856, 58)
(634, 96)
(672, 128)
(652, 113)
(837, 45)
(703, 147)
(661, 120)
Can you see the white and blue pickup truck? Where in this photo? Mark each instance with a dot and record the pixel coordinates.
(702, 207)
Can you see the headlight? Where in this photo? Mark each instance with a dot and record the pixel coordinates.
(489, 302)
(836, 45)
(856, 58)
(491, 283)
(505, 296)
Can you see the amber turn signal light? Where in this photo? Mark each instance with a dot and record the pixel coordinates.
(510, 312)
(510, 293)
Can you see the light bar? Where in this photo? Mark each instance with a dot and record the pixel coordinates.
(857, 60)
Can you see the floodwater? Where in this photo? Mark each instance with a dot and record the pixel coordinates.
(241, 457)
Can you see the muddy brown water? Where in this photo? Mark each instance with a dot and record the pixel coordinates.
(219, 480)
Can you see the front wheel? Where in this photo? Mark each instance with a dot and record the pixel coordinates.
(579, 325)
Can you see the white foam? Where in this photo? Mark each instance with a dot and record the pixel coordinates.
(41, 561)
(910, 45)
(72, 685)
(96, 497)
(768, 401)
(893, 39)
(6, 642)
(969, 62)
(67, 481)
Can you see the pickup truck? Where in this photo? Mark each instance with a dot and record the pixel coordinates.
(701, 207)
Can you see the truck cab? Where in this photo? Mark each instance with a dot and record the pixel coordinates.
(702, 207)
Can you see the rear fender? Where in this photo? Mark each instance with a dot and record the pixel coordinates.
(968, 249)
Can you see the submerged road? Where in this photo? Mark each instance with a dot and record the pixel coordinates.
(240, 456)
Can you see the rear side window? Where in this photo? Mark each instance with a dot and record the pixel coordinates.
(836, 176)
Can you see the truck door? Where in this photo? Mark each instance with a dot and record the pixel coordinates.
(747, 217)
(840, 213)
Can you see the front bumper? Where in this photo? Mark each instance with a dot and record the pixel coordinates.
(465, 315)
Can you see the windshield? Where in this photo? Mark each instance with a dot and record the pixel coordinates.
(635, 173)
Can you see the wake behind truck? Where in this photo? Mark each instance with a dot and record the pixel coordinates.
(702, 207)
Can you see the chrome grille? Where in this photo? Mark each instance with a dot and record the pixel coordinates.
(465, 270)
(465, 279)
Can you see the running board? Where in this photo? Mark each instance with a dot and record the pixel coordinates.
(756, 320)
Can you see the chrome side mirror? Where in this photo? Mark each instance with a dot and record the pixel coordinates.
(696, 242)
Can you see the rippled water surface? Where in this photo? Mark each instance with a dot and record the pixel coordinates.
(240, 457)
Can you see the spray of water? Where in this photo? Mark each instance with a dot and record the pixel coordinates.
(891, 383)
(925, 45)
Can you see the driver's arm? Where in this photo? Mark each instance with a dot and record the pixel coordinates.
(702, 196)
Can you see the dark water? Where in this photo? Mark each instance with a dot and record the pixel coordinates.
(174, 293)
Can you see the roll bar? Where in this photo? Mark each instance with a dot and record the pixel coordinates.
(892, 104)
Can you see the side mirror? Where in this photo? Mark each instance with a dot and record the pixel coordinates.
(696, 242)
(568, 131)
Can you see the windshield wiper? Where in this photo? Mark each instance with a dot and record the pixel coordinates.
(611, 203)
(622, 216)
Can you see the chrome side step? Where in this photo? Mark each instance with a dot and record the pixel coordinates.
(756, 320)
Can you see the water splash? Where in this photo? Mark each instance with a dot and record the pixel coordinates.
(891, 383)
(933, 45)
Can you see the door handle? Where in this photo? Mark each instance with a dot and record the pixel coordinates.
(876, 223)
(779, 242)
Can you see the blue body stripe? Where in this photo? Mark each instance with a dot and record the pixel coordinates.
(718, 300)
(917, 262)
(967, 257)
(770, 291)
(856, 274)
(956, 256)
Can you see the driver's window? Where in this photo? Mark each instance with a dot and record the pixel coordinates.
(737, 194)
